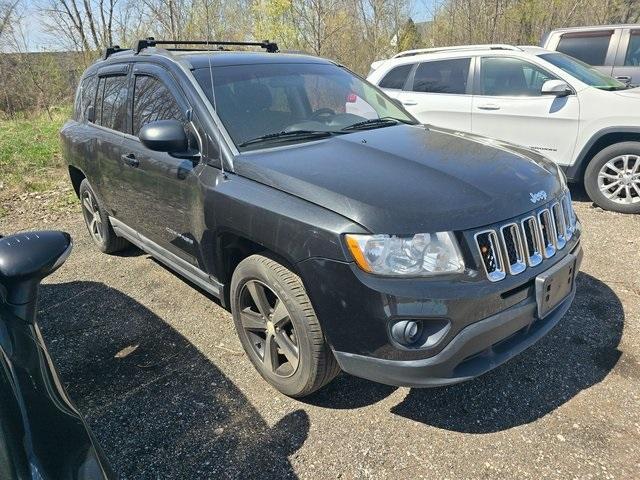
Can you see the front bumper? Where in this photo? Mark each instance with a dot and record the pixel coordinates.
(489, 323)
(480, 347)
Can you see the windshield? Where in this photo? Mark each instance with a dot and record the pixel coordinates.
(583, 72)
(262, 103)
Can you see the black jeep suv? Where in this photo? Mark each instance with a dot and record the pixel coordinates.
(339, 232)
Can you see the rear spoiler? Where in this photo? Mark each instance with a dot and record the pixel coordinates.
(375, 65)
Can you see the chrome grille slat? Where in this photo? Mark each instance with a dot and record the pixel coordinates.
(515, 246)
(559, 224)
(489, 248)
(533, 241)
(547, 233)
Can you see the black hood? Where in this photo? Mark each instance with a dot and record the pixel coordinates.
(408, 179)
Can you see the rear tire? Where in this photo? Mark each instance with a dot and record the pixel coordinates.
(612, 178)
(97, 221)
(278, 327)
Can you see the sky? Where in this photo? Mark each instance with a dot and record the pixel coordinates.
(38, 39)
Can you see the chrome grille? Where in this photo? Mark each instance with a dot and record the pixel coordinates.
(512, 247)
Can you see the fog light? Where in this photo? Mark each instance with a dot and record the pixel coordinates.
(406, 332)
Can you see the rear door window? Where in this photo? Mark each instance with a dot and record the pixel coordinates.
(397, 77)
(591, 48)
(111, 105)
(153, 101)
(632, 58)
(442, 76)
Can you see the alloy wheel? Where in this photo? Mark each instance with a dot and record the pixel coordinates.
(91, 214)
(267, 324)
(619, 179)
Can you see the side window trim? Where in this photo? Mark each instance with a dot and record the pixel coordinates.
(408, 84)
(478, 79)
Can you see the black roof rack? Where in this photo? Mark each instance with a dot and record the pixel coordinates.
(111, 50)
(270, 47)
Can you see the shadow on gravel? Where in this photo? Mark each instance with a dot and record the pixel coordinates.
(161, 409)
(578, 353)
(578, 193)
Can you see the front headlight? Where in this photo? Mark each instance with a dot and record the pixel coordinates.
(422, 254)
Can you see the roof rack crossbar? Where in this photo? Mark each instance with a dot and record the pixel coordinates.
(270, 47)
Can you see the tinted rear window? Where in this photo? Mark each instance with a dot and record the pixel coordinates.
(397, 77)
(443, 76)
(591, 49)
(112, 107)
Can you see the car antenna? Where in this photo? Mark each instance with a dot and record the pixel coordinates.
(213, 92)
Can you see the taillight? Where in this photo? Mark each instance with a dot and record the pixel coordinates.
(352, 97)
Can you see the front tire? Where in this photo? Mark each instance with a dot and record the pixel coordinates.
(612, 178)
(278, 327)
(97, 221)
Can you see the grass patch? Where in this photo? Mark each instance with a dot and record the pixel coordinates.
(30, 157)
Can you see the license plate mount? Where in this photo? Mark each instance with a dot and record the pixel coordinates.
(555, 284)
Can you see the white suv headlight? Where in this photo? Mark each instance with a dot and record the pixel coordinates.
(422, 254)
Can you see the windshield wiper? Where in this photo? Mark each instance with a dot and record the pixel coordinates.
(294, 134)
(375, 123)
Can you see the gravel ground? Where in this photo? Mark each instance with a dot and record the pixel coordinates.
(156, 367)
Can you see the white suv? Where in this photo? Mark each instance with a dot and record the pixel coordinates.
(585, 121)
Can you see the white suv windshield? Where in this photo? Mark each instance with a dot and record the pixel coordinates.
(265, 103)
(583, 72)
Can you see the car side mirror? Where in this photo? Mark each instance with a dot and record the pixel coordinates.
(557, 88)
(25, 259)
(167, 136)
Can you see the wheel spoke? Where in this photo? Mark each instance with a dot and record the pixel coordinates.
(636, 187)
(625, 163)
(627, 191)
(614, 194)
(92, 226)
(288, 348)
(606, 188)
(280, 313)
(608, 175)
(259, 298)
(252, 320)
(611, 165)
(636, 165)
(270, 357)
(87, 204)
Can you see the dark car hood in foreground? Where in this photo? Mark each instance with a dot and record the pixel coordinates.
(407, 179)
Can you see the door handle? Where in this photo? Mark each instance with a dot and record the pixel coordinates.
(409, 102)
(624, 78)
(130, 159)
(489, 106)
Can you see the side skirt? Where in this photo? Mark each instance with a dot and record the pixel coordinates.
(191, 273)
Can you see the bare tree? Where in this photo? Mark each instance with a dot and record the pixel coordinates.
(8, 10)
(86, 25)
